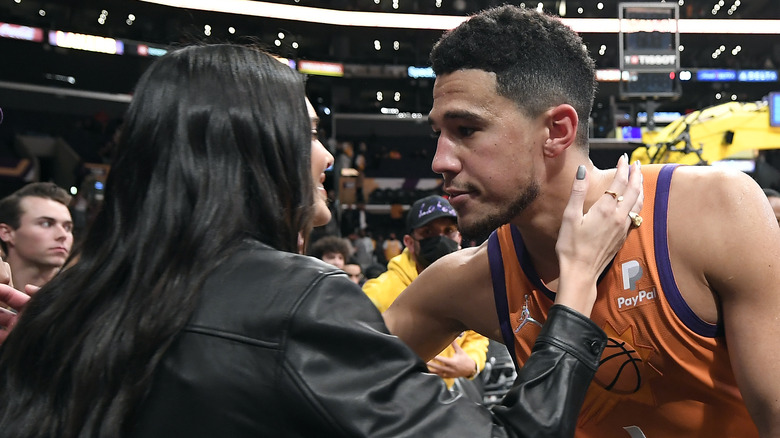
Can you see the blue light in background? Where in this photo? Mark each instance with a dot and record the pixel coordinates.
(716, 75)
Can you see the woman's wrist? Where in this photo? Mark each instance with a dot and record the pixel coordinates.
(577, 294)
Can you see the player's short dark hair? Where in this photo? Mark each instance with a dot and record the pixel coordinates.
(539, 62)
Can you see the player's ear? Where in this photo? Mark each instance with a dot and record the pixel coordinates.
(562, 123)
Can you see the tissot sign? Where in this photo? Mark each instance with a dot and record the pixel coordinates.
(647, 62)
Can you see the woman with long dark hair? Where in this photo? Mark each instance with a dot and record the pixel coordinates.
(190, 312)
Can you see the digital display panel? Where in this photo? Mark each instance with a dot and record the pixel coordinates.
(757, 76)
(774, 109)
(648, 49)
(716, 75)
(631, 132)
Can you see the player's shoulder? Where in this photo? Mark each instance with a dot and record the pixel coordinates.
(466, 257)
(713, 187)
(467, 265)
(706, 201)
(710, 178)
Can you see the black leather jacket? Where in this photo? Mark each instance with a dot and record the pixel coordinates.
(284, 345)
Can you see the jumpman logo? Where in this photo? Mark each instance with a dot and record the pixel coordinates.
(525, 317)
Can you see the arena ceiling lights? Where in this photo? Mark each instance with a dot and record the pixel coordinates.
(446, 22)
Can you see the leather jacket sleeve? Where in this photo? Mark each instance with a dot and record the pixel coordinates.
(344, 371)
(550, 388)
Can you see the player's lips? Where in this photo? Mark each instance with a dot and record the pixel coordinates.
(60, 249)
(457, 197)
(454, 191)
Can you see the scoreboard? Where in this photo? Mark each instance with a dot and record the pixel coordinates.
(649, 56)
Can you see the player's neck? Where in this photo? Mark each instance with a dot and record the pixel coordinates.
(540, 228)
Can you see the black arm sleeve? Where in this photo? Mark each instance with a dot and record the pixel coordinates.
(550, 387)
(350, 377)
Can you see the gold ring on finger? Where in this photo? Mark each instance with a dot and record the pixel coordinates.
(614, 195)
(636, 220)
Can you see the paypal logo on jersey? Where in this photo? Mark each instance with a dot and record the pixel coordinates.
(632, 272)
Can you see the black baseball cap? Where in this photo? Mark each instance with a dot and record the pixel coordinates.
(427, 209)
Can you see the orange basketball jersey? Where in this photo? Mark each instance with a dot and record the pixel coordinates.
(664, 372)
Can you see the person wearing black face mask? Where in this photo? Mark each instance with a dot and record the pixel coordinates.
(435, 247)
(432, 232)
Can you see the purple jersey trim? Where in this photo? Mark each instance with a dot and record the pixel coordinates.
(499, 292)
(525, 262)
(664, 265)
(530, 271)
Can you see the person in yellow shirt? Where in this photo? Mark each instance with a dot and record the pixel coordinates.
(432, 233)
(392, 246)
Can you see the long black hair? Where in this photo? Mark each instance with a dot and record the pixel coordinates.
(215, 150)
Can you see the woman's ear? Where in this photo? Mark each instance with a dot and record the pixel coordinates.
(562, 123)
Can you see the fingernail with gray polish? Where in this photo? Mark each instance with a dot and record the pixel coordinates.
(581, 172)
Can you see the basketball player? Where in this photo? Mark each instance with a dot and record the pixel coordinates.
(690, 302)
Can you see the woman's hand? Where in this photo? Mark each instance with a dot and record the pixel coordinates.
(12, 302)
(588, 241)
